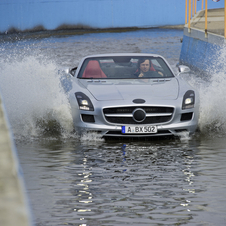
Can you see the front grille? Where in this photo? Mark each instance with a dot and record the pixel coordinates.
(124, 115)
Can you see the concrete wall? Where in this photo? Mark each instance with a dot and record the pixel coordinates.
(22, 15)
(14, 208)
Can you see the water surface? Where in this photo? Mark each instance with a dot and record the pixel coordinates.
(86, 180)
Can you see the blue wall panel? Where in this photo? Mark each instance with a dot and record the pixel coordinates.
(200, 55)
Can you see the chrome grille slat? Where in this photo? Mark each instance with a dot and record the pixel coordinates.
(130, 115)
(161, 114)
(118, 115)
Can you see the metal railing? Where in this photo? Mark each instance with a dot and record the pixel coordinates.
(190, 11)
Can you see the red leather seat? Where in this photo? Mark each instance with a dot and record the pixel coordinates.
(93, 70)
(152, 67)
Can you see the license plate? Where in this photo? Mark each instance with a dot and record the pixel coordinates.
(139, 129)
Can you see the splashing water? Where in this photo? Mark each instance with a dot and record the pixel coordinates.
(213, 99)
(91, 138)
(34, 99)
(37, 105)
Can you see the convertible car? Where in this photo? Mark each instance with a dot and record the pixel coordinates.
(132, 95)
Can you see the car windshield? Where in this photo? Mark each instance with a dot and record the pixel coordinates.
(124, 67)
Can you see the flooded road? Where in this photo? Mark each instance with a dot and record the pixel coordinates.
(86, 180)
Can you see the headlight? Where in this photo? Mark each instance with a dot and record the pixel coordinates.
(84, 102)
(188, 100)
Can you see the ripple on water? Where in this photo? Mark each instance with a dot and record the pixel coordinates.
(85, 180)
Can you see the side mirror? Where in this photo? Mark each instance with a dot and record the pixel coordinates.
(183, 69)
(73, 71)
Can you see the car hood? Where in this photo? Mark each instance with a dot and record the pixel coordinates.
(103, 90)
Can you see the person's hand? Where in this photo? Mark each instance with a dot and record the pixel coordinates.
(141, 75)
(159, 72)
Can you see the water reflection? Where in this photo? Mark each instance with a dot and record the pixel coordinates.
(84, 195)
(114, 184)
(107, 183)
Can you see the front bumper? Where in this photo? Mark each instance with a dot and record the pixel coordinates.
(116, 131)
(170, 129)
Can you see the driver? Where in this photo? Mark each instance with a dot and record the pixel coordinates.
(145, 69)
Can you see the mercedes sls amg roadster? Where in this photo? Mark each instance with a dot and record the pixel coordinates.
(132, 95)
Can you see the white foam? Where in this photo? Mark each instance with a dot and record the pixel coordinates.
(32, 92)
(91, 137)
(213, 98)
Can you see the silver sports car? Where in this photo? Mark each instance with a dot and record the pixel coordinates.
(132, 95)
